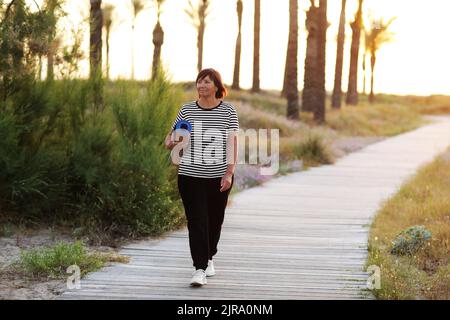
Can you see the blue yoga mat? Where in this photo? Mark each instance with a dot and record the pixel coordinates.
(183, 124)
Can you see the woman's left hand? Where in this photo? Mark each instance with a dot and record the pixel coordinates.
(225, 183)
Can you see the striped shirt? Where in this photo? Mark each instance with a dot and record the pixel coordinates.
(205, 155)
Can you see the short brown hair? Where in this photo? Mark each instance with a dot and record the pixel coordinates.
(216, 78)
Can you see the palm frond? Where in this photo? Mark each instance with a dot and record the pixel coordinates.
(379, 33)
(192, 13)
(137, 6)
(107, 11)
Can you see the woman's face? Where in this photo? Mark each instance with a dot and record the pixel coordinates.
(206, 88)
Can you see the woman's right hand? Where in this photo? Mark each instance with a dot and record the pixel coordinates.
(169, 142)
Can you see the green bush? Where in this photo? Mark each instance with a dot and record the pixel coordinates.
(119, 178)
(53, 261)
(410, 240)
(102, 169)
(88, 153)
(27, 166)
(312, 150)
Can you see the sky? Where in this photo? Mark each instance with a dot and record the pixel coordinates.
(415, 62)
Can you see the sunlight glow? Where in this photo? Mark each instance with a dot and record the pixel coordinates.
(416, 62)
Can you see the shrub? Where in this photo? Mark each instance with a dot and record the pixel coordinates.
(95, 161)
(53, 261)
(410, 240)
(313, 150)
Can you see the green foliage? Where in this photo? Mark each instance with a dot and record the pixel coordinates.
(313, 150)
(122, 166)
(53, 262)
(107, 170)
(409, 241)
(422, 202)
(86, 152)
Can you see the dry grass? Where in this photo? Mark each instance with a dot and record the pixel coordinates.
(374, 120)
(390, 116)
(435, 104)
(298, 140)
(424, 200)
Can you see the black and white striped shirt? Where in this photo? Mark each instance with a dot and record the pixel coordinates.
(205, 155)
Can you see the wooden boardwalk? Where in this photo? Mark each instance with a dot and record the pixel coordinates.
(300, 236)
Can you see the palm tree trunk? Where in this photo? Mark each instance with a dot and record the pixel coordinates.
(108, 32)
(337, 91)
(158, 40)
(309, 94)
(283, 90)
(352, 92)
(200, 47)
(201, 32)
(237, 56)
(319, 110)
(50, 63)
(373, 59)
(256, 40)
(40, 67)
(96, 24)
(291, 63)
(51, 6)
(95, 53)
(132, 51)
(107, 12)
(364, 71)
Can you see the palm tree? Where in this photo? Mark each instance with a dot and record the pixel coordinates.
(291, 63)
(309, 94)
(366, 52)
(256, 32)
(50, 7)
(107, 11)
(95, 40)
(158, 40)
(377, 36)
(319, 110)
(352, 92)
(95, 53)
(314, 95)
(237, 56)
(198, 19)
(136, 6)
(283, 90)
(337, 91)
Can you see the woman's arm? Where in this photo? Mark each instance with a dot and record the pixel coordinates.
(169, 142)
(232, 148)
(232, 151)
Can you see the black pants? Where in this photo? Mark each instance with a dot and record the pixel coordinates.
(204, 206)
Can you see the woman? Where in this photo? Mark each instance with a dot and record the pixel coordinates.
(206, 169)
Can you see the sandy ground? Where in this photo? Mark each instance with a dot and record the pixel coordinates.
(14, 287)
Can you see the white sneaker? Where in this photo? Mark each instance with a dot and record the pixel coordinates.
(210, 271)
(198, 278)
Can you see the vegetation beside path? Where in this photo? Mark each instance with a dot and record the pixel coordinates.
(422, 207)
